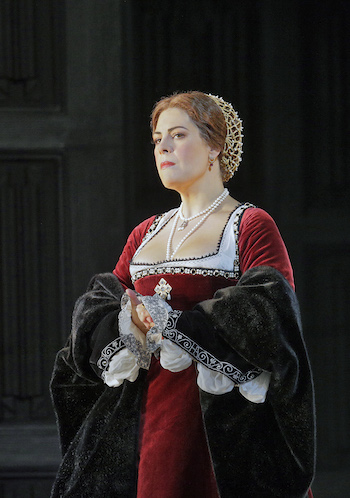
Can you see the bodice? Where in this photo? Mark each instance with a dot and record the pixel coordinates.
(192, 280)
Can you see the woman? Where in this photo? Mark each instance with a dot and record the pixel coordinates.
(186, 373)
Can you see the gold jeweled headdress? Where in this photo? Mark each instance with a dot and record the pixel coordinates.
(232, 152)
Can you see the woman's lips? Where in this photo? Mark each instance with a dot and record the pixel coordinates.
(166, 164)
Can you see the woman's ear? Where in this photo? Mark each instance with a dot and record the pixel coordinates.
(214, 153)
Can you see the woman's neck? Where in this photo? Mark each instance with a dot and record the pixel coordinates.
(195, 202)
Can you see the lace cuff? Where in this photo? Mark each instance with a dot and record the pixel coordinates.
(159, 311)
(132, 337)
(142, 346)
(125, 364)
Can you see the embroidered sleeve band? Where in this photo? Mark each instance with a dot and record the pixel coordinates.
(202, 355)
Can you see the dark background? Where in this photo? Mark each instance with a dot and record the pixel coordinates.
(78, 79)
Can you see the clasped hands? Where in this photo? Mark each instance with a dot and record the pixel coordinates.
(139, 315)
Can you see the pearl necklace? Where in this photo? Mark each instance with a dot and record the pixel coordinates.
(206, 213)
(185, 221)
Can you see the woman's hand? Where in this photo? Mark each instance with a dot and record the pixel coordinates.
(139, 315)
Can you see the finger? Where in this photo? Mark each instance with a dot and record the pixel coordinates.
(142, 312)
(144, 315)
(148, 321)
(133, 297)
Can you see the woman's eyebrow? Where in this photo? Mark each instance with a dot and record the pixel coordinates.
(170, 129)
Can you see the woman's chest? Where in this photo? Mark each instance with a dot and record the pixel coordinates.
(175, 241)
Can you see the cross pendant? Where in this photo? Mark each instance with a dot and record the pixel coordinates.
(183, 225)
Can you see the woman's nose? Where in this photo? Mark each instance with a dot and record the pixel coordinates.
(164, 146)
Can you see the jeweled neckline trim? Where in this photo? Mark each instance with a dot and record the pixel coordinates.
(182, 270)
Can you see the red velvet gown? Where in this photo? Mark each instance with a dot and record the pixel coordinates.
(172, 436)
(174, 456)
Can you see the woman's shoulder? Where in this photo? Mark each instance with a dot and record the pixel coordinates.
(247, 216)
(261, 243)
(256, 223)
(256, 217)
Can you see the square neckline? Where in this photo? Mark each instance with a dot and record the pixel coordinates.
(178, 260)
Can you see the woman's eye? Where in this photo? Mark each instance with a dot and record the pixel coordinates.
(157, 140)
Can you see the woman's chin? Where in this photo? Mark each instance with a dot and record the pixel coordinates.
(171, 186)
(170, 183)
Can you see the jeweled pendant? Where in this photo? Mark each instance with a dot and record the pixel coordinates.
(183, 225)
(163, 289)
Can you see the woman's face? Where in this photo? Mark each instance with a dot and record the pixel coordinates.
(180, 152)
